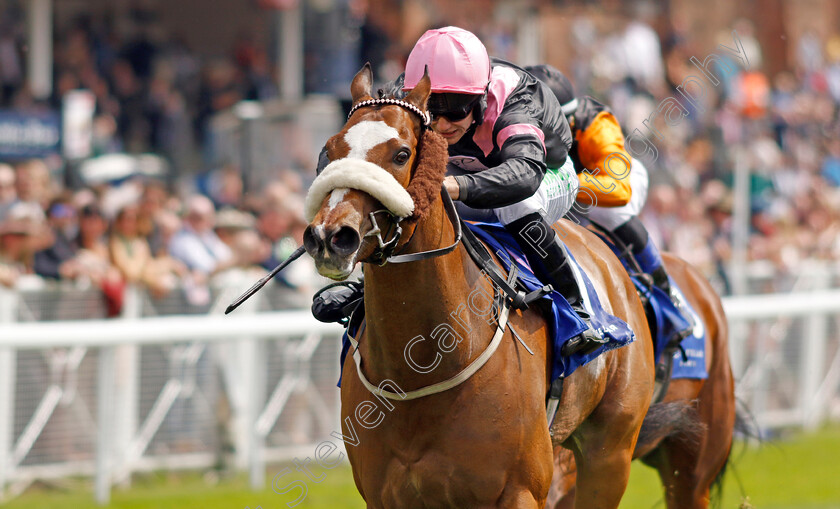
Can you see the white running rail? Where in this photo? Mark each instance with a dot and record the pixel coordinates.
(111, 397)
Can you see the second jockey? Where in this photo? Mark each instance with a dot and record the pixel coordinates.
(506, 132)
(613, 186)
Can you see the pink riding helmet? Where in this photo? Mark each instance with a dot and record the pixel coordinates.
(457, 60)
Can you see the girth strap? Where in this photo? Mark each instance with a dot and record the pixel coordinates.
(481, 256)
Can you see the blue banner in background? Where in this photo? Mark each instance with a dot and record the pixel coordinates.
(25, 135)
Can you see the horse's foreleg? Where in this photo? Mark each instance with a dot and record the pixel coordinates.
(561, 495)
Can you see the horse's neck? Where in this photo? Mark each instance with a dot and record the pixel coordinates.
(404, 301)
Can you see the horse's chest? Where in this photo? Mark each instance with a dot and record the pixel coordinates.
(434, 462)
(439, 479)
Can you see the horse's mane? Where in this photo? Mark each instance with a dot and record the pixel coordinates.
(426, 183)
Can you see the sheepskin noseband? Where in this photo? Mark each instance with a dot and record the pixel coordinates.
(364, 176)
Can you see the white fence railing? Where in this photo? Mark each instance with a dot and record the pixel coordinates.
(785, 351)
(111, 397)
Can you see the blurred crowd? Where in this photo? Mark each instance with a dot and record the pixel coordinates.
(136, 232)
(784, 129)
(153, 92)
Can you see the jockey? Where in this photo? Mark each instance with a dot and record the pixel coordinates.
(506, 132)
(612, 184)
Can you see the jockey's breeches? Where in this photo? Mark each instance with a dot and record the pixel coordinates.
(553, 198)
(613, 217)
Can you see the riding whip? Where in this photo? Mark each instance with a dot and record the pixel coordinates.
(259, 284)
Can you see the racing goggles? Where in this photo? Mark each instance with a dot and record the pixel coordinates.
(455, 107)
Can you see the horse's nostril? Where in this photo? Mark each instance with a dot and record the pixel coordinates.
(345, 241)
(313, 243)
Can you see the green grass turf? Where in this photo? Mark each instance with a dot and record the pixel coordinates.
(798, 472)
(802, 471)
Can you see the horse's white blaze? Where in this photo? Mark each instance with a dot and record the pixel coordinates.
(336, 197)
(367, 134)
(356, 172)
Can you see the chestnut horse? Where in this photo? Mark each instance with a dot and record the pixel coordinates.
(484, 441)
(688, 436)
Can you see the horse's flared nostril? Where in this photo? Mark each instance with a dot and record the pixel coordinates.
(345, 241)
(312, 242)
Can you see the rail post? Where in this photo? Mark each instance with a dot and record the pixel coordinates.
(812, 363)
(127, 389)
(105, 423)
(8, 364)
(255, 399)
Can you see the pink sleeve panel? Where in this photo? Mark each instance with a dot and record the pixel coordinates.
(502, 82)
(513, 130)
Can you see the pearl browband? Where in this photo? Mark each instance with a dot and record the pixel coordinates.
(427, 118)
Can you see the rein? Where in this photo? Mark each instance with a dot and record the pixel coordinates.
(385, 250)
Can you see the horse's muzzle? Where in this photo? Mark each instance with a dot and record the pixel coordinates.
(332, 249)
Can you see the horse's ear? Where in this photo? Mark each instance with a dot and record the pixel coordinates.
(362, 82)
(419, 95)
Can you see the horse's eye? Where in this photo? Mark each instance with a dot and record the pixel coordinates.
(402, 156)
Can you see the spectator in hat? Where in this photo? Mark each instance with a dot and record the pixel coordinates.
(197, 245)
(237, 229)
(38, 235)
(14, 250)
(230, 222)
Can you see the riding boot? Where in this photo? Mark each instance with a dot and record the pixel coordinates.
(634, 234)
(547, 256)
(336, 302)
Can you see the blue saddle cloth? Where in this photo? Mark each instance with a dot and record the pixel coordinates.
(563, 322)
(667, 319)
